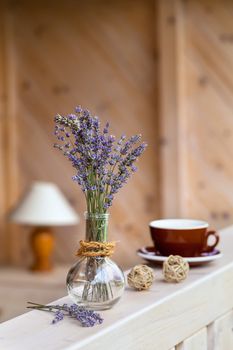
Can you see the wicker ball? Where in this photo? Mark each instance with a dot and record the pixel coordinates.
(175, 269)
(140, 277)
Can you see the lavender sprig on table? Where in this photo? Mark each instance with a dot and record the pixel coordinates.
(103, 164)
(87, 318)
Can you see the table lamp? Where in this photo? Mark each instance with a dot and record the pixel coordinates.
(43, 207)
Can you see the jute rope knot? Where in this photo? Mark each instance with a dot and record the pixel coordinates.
(175, 269)
(92, 248)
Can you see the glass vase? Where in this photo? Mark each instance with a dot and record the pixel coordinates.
(95, 282)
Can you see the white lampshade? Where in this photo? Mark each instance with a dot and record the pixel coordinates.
(44, 205)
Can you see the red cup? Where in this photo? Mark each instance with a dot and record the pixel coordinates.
(184, 237)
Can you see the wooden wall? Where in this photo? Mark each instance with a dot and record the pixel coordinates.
(100, 54)
(162, 68)
(209, 107)
(196, 95)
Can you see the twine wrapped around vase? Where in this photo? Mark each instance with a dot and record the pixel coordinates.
(140, 277)
(175, 269)
(92, 248)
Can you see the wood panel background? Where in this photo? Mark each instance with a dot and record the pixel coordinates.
(209, 106)
(162, 68)
(100, 54)
(196, 101)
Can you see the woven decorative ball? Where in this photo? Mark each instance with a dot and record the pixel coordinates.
(175, 268)
(140, 277)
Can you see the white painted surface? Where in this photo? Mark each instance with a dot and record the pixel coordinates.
(220, 333)
(156, 319)
(197, 341)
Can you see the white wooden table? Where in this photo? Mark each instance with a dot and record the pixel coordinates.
(194, 315)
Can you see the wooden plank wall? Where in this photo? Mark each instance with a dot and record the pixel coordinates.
(162, 68)
(196, 128)
(100, 54)
(209, 106)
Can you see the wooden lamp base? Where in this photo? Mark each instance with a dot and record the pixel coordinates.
(42, 243)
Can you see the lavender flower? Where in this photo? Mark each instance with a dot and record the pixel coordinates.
(87, 318)
(58, 316)
(102, 163)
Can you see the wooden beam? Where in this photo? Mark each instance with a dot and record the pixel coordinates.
(2, 138)
(171, 109)
(8, 130)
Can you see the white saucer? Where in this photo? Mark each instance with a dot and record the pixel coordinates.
(147, 253)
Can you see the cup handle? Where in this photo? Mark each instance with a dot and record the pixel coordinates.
(209, 248)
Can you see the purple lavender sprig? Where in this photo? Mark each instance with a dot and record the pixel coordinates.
(87, 318)
(59, 315)
(103, 164)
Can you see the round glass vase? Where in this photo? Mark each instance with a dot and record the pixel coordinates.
(95, 282)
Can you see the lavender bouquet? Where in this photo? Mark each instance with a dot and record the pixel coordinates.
(103, 165)
(87, 318)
